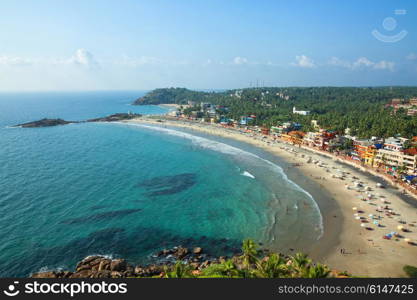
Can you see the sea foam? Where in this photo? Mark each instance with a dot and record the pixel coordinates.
(247, 174)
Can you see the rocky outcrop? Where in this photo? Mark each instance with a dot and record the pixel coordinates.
(104, 267)
(56, 122)
(45, 123)
(116, 117)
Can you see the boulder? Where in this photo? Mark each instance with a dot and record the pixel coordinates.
(115, 274)
(88, 262)
(104, 265)
(118, 265)
(82, 274)
(45, 275)
(198, 250)
(181, 252)
(101, 274)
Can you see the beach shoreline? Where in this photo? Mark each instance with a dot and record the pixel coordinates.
(345, 245)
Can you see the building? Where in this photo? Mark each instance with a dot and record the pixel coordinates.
(396, 104)
(319, 139)
(413, 101)
(395, 143)
(294, 137)
(315, 124)
(411, 112)
(286, 127)
(360, 149)
(244, 120)
(300, 112)
(393, 161)
(371, 153)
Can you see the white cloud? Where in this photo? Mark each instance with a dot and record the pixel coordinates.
(362, 62)
(335, 61)
(304, 62)
(240, 60)
(84, 58)
(14, 61)
(384, 65)
(411, 56)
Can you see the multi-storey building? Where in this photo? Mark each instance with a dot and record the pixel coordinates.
(395, 160)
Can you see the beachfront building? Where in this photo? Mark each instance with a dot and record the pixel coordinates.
(285, 128)
(361, 148)
(320, 139)
(310, 138)
(335, 143)
(294, 137)
(370, 154)
(394, 161)
(300, 112)
(395, 143)
(244, 120)
(393, 157)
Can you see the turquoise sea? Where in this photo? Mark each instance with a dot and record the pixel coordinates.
(127, 191)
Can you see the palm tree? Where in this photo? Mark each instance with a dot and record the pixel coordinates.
(250, 252)
(300, 264)
(402, 170)
(272, 267)
(180, 270)
(318, 271)
(225, 269)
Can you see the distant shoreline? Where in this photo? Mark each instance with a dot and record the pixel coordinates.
(366, 248)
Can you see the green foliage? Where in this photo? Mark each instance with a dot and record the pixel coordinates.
(171, 96)
(251, 264)
(250, 252)
(180, 270)
(410, 271)
(227, 269)
(335, 108)
(273, 266)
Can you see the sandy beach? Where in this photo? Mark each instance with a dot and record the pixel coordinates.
(360, 216)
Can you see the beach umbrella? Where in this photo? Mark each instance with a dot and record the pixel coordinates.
(355, 208)
(407, 240)
(357, 218)
(363, 225)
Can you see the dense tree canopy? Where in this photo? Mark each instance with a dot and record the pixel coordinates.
(362, 109)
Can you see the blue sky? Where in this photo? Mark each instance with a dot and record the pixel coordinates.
(117, 45)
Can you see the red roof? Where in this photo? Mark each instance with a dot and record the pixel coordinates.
(411, 151)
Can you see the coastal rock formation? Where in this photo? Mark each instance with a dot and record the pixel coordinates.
(179, 262)
(45, 123)
(55, 122)
(116, 117)
(103, 267)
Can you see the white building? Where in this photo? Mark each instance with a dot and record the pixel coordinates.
(300, 112)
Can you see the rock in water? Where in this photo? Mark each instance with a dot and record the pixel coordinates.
(197, 250)
(45, 123)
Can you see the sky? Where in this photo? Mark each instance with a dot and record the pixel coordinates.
(54, 45)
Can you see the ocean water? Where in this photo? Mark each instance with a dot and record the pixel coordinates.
(127, 190)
